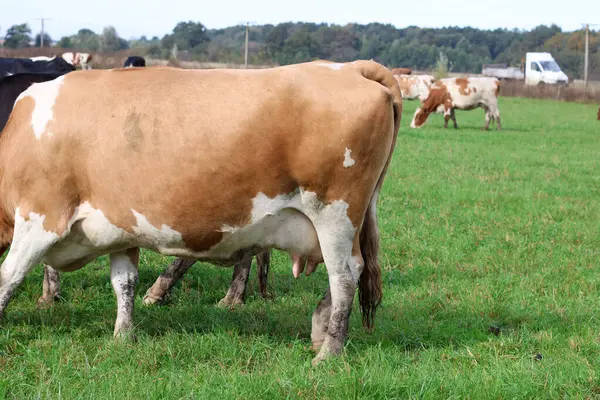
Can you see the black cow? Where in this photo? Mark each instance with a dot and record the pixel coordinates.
(52, 66)
(17, 74)
(135, 61)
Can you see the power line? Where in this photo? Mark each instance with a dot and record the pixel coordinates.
(42, 34)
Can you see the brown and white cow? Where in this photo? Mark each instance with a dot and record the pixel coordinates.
(80, 179)
(415, 86)
(449, 94)
(83, 60)
(401, 71)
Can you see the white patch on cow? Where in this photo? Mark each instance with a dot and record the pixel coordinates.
(32, 228)
(8, 74)
(89, 232)
(334, 66)
(287, 222)
(164, 239)
(30, 242)
(348, 161)
(263, 206)
(41, 58)
(413, 123)
(44, 94)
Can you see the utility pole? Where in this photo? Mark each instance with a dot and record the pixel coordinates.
(246, 47)
(42, 34)
(587, 56)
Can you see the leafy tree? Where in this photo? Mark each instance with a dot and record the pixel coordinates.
(86, 39)
(110, 40)
(65, 42)
(18, 36)
(47, 40)
(188, 36)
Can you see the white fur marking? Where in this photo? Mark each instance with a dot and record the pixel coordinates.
(44, 94)
(348, 161)
(161, 239)
(334, 66)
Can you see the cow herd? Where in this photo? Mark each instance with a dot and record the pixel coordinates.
(208, 165)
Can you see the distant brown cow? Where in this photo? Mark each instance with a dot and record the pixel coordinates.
(401, 71)
(598, 113)
(449, 94)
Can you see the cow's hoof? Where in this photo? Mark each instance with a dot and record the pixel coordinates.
(317, 344)
(150, 300)
(125, 336)
(45, 302)
(319, 358)
(226, 302)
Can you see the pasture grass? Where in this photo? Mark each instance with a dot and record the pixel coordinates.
(490, 252)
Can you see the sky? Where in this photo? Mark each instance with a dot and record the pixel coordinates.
(134, 18)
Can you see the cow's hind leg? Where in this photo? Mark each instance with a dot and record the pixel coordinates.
(344, 266)
(50, 287)
(30, 243)
(124, 277)
(237, 290)
(166, 280)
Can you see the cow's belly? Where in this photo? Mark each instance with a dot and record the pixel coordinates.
(92, 234)
(288, 230)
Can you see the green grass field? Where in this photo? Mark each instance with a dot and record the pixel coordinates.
(491, 256)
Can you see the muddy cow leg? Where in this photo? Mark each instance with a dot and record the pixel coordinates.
(166, 280)
(50, 287)
(237, 291)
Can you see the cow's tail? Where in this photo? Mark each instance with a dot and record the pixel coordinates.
(369, 284)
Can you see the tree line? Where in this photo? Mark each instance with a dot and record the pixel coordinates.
(463, 49)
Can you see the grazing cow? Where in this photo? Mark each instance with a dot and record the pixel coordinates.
(446, 95)
(598, 113)
(108, 178)
(401, 71)
(84, 60)
(134, 61)
(415, 86)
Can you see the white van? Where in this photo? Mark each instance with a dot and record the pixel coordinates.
(542, 68)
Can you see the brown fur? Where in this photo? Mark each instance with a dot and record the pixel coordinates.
(96, 142)
(437, 96)
(463, 86)
(598, 113)
(401, 71)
